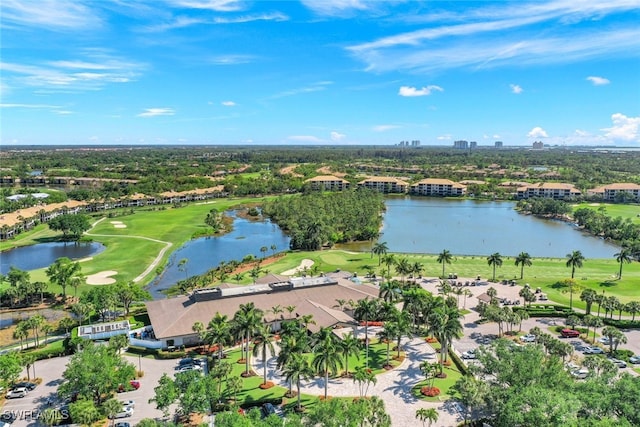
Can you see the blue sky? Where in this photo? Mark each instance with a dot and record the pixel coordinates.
(319, 72)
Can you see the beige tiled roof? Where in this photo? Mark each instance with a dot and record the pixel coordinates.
(12, 218)
(438, 181)
(174, 317)
(550, 186)
(325, 178)
(622, 186)
(390, 179)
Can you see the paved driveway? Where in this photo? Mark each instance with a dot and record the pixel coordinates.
(27, 409)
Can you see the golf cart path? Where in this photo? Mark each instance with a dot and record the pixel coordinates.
(153, 264)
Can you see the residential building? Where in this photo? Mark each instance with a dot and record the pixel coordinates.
(473, 145)
(551, 190)
(328, 182)
(538, 145)
(461, 145)
(385, 184)
(498, 144)
(610, 191)
(438, 187)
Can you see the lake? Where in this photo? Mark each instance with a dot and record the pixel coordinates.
(469, 227)
(204, 254)
(44, 254)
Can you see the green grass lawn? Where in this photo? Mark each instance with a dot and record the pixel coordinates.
(615, 210)
(598, 274)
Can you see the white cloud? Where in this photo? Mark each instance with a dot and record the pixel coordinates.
(384, 128)
(496, 136)
(337, 8)
(215, 5)
(598, 81)
(446, 137)
(153, 112)
(314, 87)
(624, 128)
(276, 16)
(49, 14)
(412, 91)
(517, 89)
(228, 103)
(490, 36)
(337, 137)
(34, 106)
(537, 132)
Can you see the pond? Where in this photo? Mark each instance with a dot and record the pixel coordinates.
(204, 254)
(469, 227)
(44, 254)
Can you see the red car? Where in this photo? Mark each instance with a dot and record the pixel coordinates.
(133, 384)
(569, 333)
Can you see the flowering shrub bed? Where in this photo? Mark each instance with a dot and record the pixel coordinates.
(371, 323)
(430, 391)
(267, 385)
(431, 340)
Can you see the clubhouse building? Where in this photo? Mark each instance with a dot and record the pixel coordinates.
(172, 319)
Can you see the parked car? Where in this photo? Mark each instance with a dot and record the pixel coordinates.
(8, 417)
(127, 411)
(122, 424)
(189, 368)
(528, 338)
(583, 348)
(594, 350)
(26, 384)
(471, 354)
(635, 359)
(17, 393)
(619, 363)
(128, 403)
(133, 385)
(268, 409)
(580, 373)
(569, 333)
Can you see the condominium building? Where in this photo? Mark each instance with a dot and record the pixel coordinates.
(385, 184)
(438, 187)
(610, 191)
(328, 182)
(551, 190)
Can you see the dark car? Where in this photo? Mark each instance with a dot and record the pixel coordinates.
(7, 417)
(26, 384)
(268, 409)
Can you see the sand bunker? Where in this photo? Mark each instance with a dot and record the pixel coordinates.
(118, 224)
(102, 278)
(305, 263)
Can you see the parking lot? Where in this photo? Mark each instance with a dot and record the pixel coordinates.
(28, 408)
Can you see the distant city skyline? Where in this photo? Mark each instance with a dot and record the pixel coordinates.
(343, 72)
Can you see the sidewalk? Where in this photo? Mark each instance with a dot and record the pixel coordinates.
(393, 387)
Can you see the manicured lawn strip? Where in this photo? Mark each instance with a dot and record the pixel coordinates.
(444, 384)
(614, 210)
(544, 272)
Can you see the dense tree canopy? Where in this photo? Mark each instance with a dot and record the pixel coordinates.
(320, 218)
(72, 226)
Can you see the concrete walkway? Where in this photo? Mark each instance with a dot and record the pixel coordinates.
(394, 387)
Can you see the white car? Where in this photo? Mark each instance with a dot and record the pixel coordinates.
(127, 411)
(635, 359)
(528, 338)
(619, 363)
(126, 403)
(594, 350)
(17, 393)
(471, 354)
(190, 368)
(580, 373)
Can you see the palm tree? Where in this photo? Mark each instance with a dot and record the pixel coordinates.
(263, 250)
(445, 325)
(218, 332)
(182, 266)
(387, 334)
(364, 377)
(403, 267)
(21, 332)
(294, 341)
(623, 256)
(589, 296)
(389, 260)
(274, 248)
(574, 260)
(401, 327)
(427, 415)
(494, 260)
(444, 257)
(263, 343)
(389, 292)
(111, 407)
(290, 309)
(365, 310)
(198, 328)
(296, 370)
(633, 307)
(523, 259)
(61, 272)
(349, 346)
(247, 320)
(238, 277)
(326, 355)
(379, 249)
